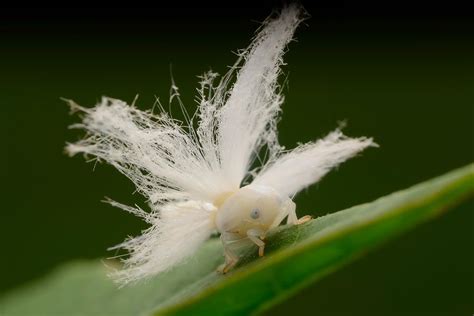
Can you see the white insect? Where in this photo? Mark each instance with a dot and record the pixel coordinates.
(199, 180)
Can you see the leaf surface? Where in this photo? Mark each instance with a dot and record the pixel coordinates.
(295, 257)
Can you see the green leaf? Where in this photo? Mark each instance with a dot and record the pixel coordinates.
(296, 256)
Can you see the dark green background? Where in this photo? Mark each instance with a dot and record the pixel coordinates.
(406, 80)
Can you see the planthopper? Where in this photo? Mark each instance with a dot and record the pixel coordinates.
(222, 169)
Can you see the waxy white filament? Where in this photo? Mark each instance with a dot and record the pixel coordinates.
(185, 173)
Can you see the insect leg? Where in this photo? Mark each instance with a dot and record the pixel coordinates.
(255, 236)
(289, 205)
(293, 219)
(231, 258)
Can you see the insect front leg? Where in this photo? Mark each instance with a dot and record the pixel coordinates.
(256, 236)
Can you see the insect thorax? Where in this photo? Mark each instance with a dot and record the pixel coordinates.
(250, 207)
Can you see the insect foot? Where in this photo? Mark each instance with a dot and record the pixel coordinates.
(303, 219)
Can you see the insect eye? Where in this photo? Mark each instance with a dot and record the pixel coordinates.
(255, 213)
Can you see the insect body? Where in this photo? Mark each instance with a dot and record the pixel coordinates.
(192, 177)
(249, 214)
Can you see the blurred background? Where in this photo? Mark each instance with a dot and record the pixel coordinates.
(401, 73)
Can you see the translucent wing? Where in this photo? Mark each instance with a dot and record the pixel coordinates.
(239, 120)
(176, 233)
(308, 163)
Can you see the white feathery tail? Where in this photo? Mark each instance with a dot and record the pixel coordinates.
(291, 172)
(191, 176)
(177, 231)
